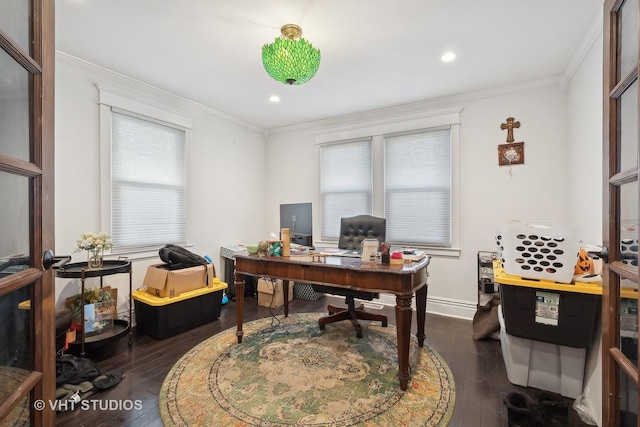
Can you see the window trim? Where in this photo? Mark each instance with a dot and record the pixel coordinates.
(436, 119)
(109, 99)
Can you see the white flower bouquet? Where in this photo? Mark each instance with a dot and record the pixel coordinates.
(94, 242)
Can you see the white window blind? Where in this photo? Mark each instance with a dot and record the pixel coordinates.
(417, 187)
(148, 183)
(346, 183)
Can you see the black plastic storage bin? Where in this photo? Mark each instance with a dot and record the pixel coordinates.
(165, 317)
(578, 315)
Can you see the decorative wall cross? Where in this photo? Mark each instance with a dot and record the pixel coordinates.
(509, 127)
(511, 153)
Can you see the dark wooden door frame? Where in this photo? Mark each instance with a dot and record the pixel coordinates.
(615, 84)
(40, 63)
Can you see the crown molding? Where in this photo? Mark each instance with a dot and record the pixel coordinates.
(594, 31)
(389, 114)
(129, 83)
(415, 109)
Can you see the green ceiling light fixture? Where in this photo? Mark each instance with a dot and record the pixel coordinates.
(291, 59)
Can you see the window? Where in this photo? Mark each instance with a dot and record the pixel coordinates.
(404, 171)
(345, 184)
(417, 187)
(144, 182)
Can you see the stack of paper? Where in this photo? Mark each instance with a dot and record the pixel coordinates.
(413, 254)
(340, 252)
(298, 250)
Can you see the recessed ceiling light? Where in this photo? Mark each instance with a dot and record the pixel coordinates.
(448, 57)
(274, 98)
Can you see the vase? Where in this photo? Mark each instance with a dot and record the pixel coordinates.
(94, 259)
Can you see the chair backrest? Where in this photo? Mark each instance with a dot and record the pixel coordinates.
(355, 229)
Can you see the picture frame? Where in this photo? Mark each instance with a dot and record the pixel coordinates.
(98, 317)
(511, 154)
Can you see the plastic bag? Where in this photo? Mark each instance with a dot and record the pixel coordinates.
(583, 411)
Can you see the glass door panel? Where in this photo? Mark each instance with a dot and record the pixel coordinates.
(16, 355)
(15, 351)
(14, 21)
(629, 257)
(14, 247)
(628, 119)
(15, 138)
(628, 401)
(628, 38)
(629, 229)
(10, 379)
(629, 326)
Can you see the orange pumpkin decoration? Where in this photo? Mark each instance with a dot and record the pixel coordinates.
(584, 264)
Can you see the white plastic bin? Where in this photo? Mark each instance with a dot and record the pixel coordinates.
(542, 365)
(538, 249)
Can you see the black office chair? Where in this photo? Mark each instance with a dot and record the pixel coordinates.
(353, 231)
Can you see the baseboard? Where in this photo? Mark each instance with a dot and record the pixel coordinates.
(452, 307)
(438, 305)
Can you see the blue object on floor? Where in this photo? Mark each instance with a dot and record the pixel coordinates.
(225, 299)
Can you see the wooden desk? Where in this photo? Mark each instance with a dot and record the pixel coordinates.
(401, 280)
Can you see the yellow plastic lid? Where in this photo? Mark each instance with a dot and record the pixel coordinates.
(581, 287)
(150, 299)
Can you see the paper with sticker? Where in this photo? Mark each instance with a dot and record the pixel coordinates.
(547, 308)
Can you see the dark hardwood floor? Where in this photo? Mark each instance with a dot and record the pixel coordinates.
(477, 366)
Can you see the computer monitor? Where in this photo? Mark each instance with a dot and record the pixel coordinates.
(297, 218)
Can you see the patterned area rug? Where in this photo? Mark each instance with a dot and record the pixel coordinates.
(10, 379)
(287, 372)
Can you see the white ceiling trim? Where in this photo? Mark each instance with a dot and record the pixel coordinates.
(585, 46)
(416, 109)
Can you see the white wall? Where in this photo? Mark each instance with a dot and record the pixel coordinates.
(489, 195)
(227, 169)
(584, 124)
(585, 144)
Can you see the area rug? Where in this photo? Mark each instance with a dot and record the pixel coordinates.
(287, 372)
(10, 379)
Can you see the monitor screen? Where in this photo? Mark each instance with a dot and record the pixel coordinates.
(297, 218)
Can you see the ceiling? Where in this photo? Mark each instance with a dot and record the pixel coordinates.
(375, 53)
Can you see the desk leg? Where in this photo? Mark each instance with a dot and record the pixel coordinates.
(130, 304)
(239, 284)
(421, 310)
(403, 325)
(285, 295)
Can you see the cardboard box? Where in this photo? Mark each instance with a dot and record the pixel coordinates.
(270, 293)
(162, 282)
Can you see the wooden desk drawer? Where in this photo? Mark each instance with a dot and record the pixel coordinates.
(306, 273)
